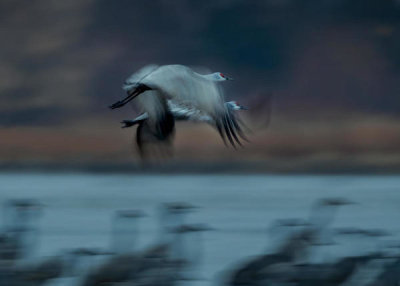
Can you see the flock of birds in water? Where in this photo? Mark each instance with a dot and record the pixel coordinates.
(176, 255)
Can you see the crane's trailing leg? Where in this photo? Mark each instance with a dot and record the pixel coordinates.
(132, 93)
(131, 122)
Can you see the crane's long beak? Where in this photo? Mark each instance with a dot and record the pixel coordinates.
(228, 78)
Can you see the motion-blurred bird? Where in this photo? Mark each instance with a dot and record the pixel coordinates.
(180, 113)
(176, 87)
(20, 230)
(184, 113)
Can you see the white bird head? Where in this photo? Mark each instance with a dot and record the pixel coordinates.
(233, 105)
(218, 76)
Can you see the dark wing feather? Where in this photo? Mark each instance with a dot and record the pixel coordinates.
(155, 132)
(236, 124)
(220, 131)
(228, 127)
(138, 89)
(228, 131)
(231, 128)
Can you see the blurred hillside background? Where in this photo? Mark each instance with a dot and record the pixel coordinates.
(331, 67)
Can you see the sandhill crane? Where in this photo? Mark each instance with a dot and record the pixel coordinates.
(332, 274)
(316, 233)
(294, 247)
(138, 266)
(282, 230)
(363, 243)
(360, 267)
(170, 216)
(125, 230)
(183, 87)
(125, 261)
(389, 277)
(184, 113)
(157, 265)
(187, 247)
(41, 272)
(180, 113)
(20, 231)
(274, 264)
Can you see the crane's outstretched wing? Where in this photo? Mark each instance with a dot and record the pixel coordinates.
(228, 124)
(132, 93)
(184, 86)
(134, 86)
(230, 127)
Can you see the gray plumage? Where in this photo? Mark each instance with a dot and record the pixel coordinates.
(163, 87)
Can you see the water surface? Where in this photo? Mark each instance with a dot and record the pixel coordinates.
(240, 208)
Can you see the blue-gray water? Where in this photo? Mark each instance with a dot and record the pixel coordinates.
(78, 207)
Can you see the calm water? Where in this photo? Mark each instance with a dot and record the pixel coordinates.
(79, 207)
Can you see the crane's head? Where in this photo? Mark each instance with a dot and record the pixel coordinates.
(233, 105)
(219, 76)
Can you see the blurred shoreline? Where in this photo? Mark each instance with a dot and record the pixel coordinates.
(361, 144)
(298, 166)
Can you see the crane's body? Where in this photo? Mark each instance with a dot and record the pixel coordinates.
(176, 92)
(184, 113)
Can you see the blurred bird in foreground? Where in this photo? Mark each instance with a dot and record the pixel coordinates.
(176, 92)
(295, 247)
(173, 257)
